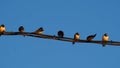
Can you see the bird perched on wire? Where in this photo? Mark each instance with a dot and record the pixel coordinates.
(2, 29)
(91, 37)
(60, 34)
(39, 31)
(21, 30)
(105, 39)
(76, 37)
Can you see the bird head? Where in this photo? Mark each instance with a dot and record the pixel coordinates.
(105, 34)
(21, 26)
(41, 29)
(77, 33)
(3, 25)
(60, 31)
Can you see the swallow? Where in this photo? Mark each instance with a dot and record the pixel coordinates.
(91, 37)
(40, 30)
(2, 29)
(60, 34)
(21, 30)
(76, 37)
(105, 38)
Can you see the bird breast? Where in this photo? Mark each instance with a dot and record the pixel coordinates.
(2, 29)
(77, 36)
(105, 38)
(40, 32)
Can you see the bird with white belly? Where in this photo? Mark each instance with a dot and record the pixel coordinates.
(105, 39)
(2, 29)
(76, 37)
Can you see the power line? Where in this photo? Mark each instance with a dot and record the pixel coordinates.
(66, 39)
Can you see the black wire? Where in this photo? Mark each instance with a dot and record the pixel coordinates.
(66, 39)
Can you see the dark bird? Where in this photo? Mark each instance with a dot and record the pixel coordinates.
(40, 30)
(91, 37)
(76, 37)
(21, 30)
(105, 39)
(60, 34)
(2, 29)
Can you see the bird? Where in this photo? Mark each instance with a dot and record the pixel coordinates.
(76, 37)
(105, 38)
(60, 34)
(2, 28)
(21, 30)
(91, 37)
(40, 30)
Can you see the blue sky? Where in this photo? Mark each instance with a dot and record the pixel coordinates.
(84, 16)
